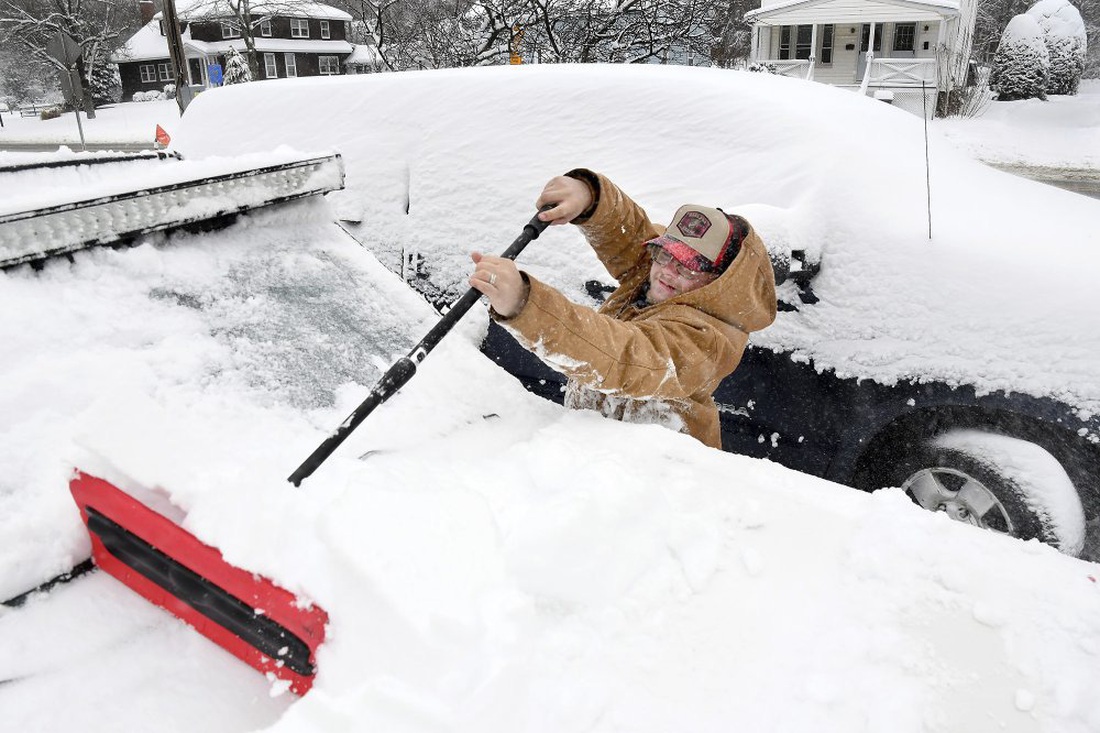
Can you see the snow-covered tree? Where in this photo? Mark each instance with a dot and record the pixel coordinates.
(104, 84)
(1066, 42)
(435, 34)
(96, 26)
(25, 78)
(1021, 66)
(237, 70)
(1090, 11)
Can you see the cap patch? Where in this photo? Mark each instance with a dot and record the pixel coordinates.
(693, 224)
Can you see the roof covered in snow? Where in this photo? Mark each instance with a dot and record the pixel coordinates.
(194, 9)
(789, 12)
(148, 45)
(363, 54)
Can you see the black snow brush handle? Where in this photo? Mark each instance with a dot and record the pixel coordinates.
(402, 371)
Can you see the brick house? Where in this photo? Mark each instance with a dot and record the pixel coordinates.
(291, 39)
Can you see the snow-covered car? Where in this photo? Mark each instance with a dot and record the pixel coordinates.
(937, 328)
(1001, 461)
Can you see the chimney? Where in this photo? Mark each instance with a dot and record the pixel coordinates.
(148, 10)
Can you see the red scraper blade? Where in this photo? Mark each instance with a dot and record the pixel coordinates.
(246, 614)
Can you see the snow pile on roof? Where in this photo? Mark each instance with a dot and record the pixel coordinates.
(216, 9)
(195, 9)
(147, 43)
(38, 188)
(363, 53)
(441, 162)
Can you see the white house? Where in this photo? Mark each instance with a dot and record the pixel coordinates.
(887, 48)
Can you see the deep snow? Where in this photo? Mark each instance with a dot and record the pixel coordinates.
(498, 563)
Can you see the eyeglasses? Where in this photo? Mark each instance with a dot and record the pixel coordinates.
(662, 257)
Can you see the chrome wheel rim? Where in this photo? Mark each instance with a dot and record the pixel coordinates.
(961, 496)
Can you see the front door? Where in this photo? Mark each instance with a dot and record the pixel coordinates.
(194, 66)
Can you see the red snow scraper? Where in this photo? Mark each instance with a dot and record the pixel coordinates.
(246, 614)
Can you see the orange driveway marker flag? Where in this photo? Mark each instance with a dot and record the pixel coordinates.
(162, 137)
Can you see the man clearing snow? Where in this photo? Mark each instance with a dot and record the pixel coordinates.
(675, 327)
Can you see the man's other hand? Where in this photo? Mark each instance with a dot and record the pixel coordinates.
(570, 198)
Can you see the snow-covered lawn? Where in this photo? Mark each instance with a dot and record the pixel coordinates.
(497, 563)
(1062, 132)
(126, 122)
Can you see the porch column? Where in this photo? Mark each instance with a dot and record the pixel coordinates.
(754, 43)
(870, 60)
(813, 53)
(944, 76)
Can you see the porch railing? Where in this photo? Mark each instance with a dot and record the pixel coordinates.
(889, 72)
(884, 72)
(793, 68)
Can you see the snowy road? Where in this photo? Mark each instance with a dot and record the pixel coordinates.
(1085, 181)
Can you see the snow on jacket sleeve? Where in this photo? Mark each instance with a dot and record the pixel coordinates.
(617, 226)
(632, 358)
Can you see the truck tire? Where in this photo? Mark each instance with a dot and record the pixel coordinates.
(996, 482)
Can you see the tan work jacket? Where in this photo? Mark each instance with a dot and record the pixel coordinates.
(648, 363)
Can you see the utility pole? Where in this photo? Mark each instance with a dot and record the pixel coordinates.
(176, 54)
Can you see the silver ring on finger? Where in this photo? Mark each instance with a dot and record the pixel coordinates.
(492, 278)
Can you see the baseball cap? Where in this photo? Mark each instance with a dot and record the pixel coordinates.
(702, 238)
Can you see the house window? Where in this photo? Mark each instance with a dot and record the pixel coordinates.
(826, 44)
(229, 30)
(325, 32)
(804, 41)
(299, 28)
(866, 35)
(329, 64)
(165, 72)
(270, 71)
(291, 64)
(904, 33)
(265, 28)
(148, 73)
